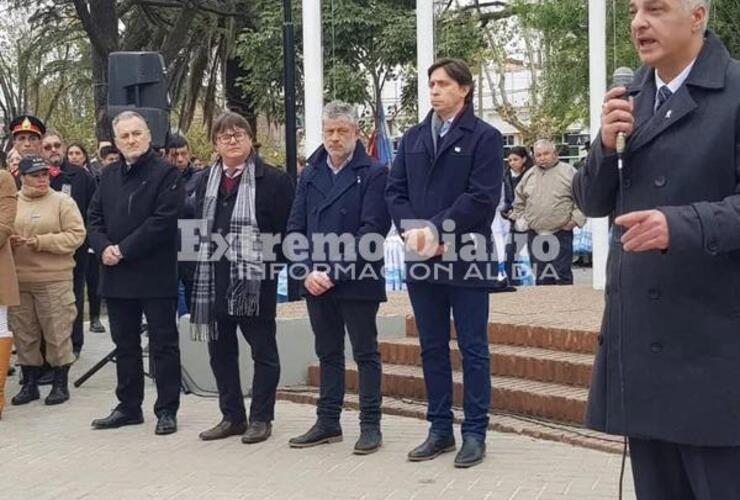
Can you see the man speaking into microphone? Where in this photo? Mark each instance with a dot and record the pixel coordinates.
(667, 372)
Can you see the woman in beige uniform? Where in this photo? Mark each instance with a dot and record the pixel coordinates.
(8, 279)
(48, 230)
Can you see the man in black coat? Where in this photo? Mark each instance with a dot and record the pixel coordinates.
(341, 195)
(80, 185)
(133, 229)
(178, 154)
(243, 198)
(668, 364)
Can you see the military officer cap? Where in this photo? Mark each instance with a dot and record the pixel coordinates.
(27, 123)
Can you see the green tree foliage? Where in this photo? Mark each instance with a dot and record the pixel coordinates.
(366, 44)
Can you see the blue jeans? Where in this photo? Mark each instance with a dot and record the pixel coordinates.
(432, 304)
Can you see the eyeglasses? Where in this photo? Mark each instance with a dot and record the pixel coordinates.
(56, 145)
(227, 138)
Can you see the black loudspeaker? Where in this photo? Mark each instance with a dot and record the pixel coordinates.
(137, 81)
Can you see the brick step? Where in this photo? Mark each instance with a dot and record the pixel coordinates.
(557, 339)
(526, 397)
(529, 363)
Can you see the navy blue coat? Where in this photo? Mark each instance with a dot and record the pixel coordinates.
(462, 183)
(668, 363)
(138, 210)
(353, 204)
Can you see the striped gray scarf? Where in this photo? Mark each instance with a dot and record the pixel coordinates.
(244, 254)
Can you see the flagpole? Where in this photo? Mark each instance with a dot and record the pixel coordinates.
(424, 52)
(597, 86)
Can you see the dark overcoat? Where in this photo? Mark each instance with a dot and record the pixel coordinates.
(136, 207)
(274, 192)
(351, 204)
(668, 361)
(460, 182)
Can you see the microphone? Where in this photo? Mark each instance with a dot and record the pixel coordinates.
(622, 78)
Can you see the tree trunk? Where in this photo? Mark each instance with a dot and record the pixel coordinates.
(235, 99)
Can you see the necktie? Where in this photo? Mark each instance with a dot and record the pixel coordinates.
(444, 129)
(664, 93)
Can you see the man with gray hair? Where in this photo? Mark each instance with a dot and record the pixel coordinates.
(668, 361)
(132, 227)
(544, 207)
(341, 194)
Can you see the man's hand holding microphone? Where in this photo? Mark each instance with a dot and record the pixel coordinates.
(645, 229)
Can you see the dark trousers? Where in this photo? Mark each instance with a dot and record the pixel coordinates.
(432, 304)
(224, 353)
(664, 470)
(551, 267)
(164, 348)
(78, 286)
(92, 277)
(329, 318)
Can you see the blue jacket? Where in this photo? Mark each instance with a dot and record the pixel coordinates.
(352, 203)
(461, 183)
(668, 362)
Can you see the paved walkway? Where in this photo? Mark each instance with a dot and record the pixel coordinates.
(51, 452)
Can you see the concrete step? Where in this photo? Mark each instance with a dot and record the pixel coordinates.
(531, 363)
(556, 402)
(557, 339)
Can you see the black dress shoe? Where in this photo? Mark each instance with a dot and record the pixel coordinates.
(117, 419)
(96, 326)
(471, 453)
(433, 447)
(167, 424)
(223, 430)
(371, 439)
(257, 432)
(316, 435)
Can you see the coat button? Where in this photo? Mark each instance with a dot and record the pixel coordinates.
(656, 347)
(343, 211)
(627, 183)
(660, 181)
(654, 293)
(712, 247)
(224, 203)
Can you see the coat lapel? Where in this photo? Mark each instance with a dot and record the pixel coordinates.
(320, 179)
(449, 140)
(680, 105)
(344, 180)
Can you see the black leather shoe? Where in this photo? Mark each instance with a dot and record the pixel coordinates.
(96, 326)
(257, 432)
(471, 453)
(316, 435)
(167, 424)
(30, 390)
(117, 419)
(371, 439)
(223, 430)
(59, 388)
(433, 447)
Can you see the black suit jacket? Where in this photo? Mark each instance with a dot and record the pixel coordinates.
(137, 208)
